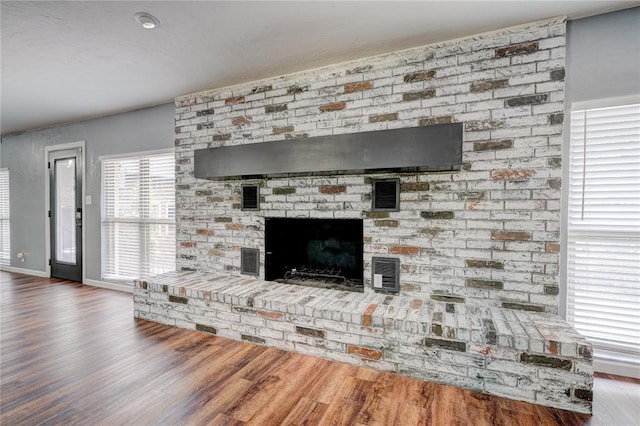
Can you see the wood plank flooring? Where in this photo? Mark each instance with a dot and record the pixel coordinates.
(73, 354)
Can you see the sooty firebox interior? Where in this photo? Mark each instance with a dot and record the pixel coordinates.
(315, 252)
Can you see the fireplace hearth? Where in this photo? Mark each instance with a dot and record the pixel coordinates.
(315, 252)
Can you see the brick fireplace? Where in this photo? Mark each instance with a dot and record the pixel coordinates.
(488, 233)
(479, 242)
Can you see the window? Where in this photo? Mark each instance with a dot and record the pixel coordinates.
(138, 216)
(5, 247)
(603, 230)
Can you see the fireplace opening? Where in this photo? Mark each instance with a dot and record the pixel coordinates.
(323, 253)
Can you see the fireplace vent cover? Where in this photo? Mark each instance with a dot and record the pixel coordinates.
(386, 195)
(250, 261)
(386, 274)
(250, 197)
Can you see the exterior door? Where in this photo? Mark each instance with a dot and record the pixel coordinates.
(65, 180)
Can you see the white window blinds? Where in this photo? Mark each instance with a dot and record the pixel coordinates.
(5, 247)
(603, 251)
(138, 220)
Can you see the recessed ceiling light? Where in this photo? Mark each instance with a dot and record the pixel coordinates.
(147, 20)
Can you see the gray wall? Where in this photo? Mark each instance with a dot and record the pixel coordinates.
(603, 62)
(603, 56)
(143, 130)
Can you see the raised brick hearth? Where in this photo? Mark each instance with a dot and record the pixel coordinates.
(477, 248)
(528, 356)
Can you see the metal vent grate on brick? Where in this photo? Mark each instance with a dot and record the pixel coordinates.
(385, 274)
(250, 261)
(250, 197)
(386, 195)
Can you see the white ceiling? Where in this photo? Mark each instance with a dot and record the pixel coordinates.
(69, 61)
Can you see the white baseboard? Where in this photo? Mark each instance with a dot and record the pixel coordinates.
(23, 271)
(94, 283)
(616, 368)
(110, 286)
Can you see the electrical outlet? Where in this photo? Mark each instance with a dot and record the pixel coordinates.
(22, 256)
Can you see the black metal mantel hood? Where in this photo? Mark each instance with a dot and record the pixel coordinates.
(427, 148)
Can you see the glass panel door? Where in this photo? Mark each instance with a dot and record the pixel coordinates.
(65, 211)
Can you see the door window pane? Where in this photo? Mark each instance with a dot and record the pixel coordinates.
(66, 210)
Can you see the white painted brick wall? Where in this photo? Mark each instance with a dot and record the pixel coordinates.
(508, 89)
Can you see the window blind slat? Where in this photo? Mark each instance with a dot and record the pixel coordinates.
(603, 250)
(138, 221)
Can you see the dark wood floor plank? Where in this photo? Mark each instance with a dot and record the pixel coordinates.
(377, 407)
(72, 354)
(347, 402)
(206, 408)
(295, 376)
(337, 374)
(306, 412)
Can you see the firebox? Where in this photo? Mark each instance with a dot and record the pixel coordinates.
(314, 252)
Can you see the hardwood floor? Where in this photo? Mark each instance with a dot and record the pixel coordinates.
(72, 354)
